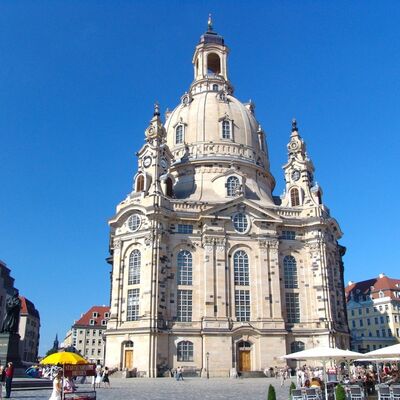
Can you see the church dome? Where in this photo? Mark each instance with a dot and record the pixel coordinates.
(212, 129)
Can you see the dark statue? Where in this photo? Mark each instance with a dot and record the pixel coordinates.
(11, 319)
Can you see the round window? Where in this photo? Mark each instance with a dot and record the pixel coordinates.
(240, 222)
(134, 222)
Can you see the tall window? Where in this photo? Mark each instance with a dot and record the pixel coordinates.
(184, 267)
(295, 197)
(232, 186)
(134, 267)
(140, 183)
(241, 268)
(292, 307)
(226, 129)
(132, 309)
(290, 272)
(179, 134)
(242, 305)
(185, 351)
(184, 307)
(169, 187)
(296, 346)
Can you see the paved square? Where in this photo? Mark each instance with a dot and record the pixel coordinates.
(170, 389)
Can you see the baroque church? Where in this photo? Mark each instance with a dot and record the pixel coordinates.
(210, 270)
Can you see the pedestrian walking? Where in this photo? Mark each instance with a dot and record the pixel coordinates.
(2, 379)
(106, 379)
(179, 374)
(98, 375)
(9, 377)
(57, 386)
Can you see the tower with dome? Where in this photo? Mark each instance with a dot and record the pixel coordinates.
(210, 270)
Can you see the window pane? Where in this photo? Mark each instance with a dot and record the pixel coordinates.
(290, 272)
(242, 305)
(293, 307)
(184, 307)
(241, 268)
(232, 186)
(179, 134)
(226, 130)
(185, 351)
(184, 268)
(132, 309)
(134, 267)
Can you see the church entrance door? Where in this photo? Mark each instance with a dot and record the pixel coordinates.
(128, 359)
(244, 360)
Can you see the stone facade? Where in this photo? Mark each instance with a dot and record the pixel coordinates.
(210, 271)
(373, 309)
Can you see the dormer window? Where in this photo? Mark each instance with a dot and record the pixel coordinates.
(232, 186)
(106, 315)
(226, 129)
(103, 322)
(381, 294)
(95, 314)
(91, 322)
(295, 197)
(179, 134)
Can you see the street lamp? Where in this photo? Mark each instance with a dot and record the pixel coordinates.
(208, 358)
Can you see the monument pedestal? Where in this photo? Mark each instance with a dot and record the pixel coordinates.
(9, 348)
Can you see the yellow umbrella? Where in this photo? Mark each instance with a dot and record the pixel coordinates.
(64, 357)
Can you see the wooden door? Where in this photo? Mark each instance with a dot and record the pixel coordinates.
(128, 359)
(244, 360)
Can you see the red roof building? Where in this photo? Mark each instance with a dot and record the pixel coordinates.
(86, 334)
(373, 310)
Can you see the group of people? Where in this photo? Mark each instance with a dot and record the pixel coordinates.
(102, 376)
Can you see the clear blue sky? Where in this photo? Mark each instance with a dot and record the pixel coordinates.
(77, 84)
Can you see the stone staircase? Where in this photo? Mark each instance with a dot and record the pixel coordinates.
(252, 374)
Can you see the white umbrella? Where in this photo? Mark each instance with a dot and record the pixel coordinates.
(385, 352)
(324, 354)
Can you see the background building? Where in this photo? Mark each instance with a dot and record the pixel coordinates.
(29, 331)
(87, 334)
(373, 310)
(209, 269)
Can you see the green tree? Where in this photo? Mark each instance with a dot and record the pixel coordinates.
(271, 393)
(340, 393)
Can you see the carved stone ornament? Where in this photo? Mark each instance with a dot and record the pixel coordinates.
(221, 244)
(148, 239)
(117, 244)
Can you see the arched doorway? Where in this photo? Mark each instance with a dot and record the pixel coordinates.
(244, 356)
(128, 354)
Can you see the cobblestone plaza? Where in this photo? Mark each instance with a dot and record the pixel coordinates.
(170, 389)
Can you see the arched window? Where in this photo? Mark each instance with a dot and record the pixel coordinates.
(134, 267)
(215, 88)
(296, 346)
(290, 272)
(226, 129)
(184, 259)
(179, 134)
(232, 186)
(185, 351)
(169, 187)
(295, 197)
(241, 268)
(213, 64)
(140, 183)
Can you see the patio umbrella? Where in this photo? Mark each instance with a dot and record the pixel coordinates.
(63, 357)
(324, 354)
(386, 352)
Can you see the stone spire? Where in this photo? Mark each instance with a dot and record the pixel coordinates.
(155, 130)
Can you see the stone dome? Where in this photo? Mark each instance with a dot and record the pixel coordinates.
(212, 135)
